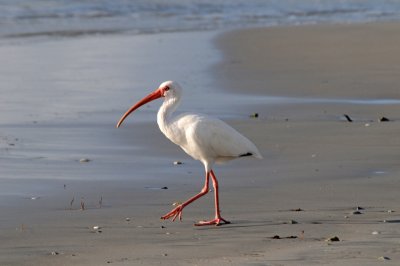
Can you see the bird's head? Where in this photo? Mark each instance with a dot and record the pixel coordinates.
(168, 89)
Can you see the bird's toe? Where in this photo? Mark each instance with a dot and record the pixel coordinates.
(216, 222)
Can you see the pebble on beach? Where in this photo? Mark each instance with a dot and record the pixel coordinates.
(297, 210)
(254, 115)
(333, 239)
(286, 237)
(96, 229)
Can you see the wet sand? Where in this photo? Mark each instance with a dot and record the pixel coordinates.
(318, 168)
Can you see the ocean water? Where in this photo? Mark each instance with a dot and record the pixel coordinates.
(21, 18)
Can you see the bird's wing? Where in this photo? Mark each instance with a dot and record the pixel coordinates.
(214, 138)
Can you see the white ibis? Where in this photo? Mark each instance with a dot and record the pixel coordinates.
(206, 139)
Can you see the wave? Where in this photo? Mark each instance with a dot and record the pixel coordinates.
(69, 17)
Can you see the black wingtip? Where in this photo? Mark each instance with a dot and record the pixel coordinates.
(246, 154)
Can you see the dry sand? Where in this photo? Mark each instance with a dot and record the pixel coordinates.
(314, 161)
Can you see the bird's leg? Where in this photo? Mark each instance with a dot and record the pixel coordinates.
(218, 219)
(177, 211)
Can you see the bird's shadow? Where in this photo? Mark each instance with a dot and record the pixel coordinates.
(240, 224)
(263, 223)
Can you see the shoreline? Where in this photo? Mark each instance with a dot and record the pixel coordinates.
(315, 162)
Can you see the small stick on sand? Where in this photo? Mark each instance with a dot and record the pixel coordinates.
(302, 235)
(82, 205)
(72, 202)
(101, 202)
(348, 118)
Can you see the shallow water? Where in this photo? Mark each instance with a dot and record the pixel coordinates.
(97, 78)
(63, 106)
(63, 99)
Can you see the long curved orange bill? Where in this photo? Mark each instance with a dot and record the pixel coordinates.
(152, 96)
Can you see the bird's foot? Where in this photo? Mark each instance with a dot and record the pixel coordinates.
(175, 213)
(217, 222)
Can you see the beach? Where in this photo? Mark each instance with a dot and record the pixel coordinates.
(321, 177)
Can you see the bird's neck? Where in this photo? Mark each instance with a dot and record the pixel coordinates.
(164, 115)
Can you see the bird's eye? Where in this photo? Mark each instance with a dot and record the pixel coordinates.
(166, 88)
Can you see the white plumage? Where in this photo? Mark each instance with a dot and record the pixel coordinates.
(204, 138)
(209, 140)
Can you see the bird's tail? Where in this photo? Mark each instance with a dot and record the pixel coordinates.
(258, 155)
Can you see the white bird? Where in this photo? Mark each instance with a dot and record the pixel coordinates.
(204, 138)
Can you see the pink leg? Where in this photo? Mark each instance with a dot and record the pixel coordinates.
(218, 219)
(177, 212)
